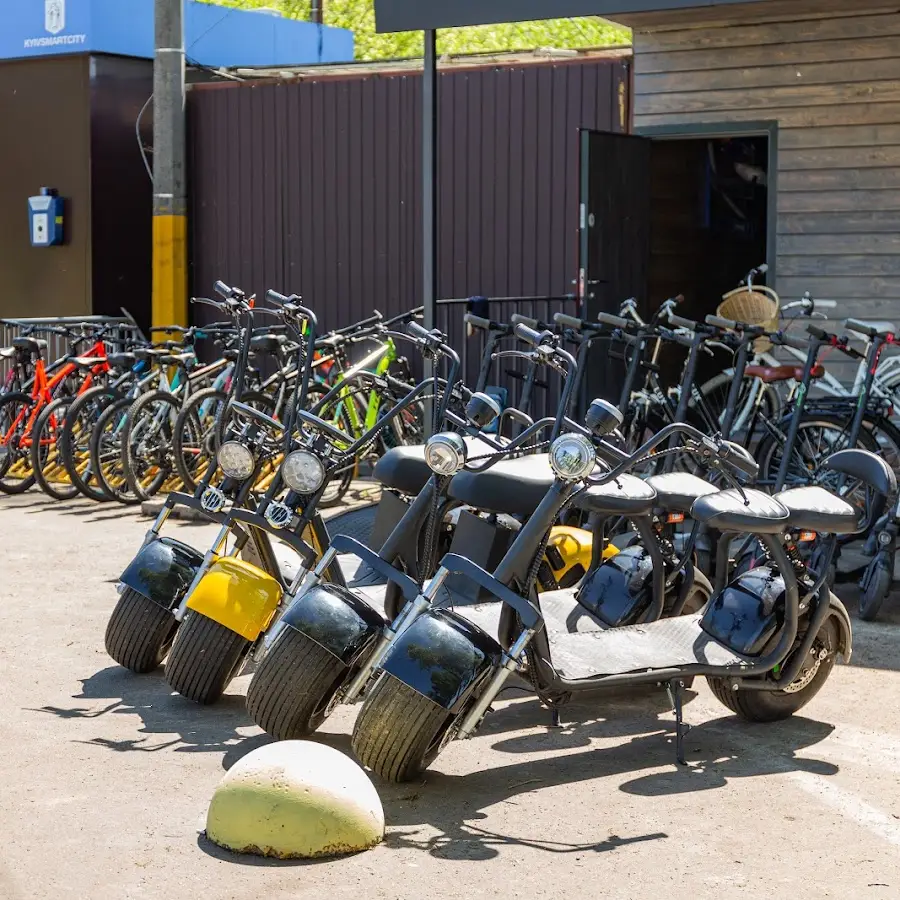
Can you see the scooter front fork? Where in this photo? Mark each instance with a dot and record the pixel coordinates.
(158, 523)
(214, 551)
(410, 612)
(511, 661)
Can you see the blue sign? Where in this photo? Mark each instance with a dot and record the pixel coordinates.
(214, 35)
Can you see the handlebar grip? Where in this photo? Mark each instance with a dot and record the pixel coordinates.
(613, 321)
(860, 327)
(477, 321)
(529, 335)
(678, 299)
(276, 298)
(761, 270)
(719, 322)
(681, 339)
(818, 333)
(568, 321)
(794, 340)
(738, 458)
(680, 322)
(519, 319)
(222, 289)
(417, 331)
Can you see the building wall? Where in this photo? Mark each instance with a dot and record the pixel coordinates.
(46, 143)
(313, 186)
(832, 83)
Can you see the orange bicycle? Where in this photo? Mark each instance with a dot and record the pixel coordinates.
(31, 422)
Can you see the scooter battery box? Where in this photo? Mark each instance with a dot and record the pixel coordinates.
(391, 510)
(484, 542)
(619, 591)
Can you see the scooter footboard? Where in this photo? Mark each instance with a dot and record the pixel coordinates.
(444, 657)
(162, 571)
(335, 618)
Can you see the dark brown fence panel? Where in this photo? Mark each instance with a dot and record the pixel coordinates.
(313, 186)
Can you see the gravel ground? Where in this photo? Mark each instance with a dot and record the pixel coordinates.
(106, 776)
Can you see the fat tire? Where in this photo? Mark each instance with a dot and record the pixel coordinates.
(871, 599)
(293, 685)
(140, 632)
(204, 658)
(397, 734)
(772, 706)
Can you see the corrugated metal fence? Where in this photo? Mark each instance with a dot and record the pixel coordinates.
(312, 186)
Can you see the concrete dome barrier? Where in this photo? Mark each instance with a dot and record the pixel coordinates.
(295, 799)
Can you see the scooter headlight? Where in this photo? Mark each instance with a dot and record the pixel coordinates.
(303, 472)
(445, 453)
(236, 460)
(572, 457)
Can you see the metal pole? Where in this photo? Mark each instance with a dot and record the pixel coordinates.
(429, 201)
(317, 11)
(169, 195)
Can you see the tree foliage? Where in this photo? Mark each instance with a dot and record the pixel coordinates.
(359, 17)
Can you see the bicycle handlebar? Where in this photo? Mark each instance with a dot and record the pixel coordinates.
(613, 321)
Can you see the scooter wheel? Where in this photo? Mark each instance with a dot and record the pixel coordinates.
(205, 657)
(877, 587)
(293, 686)
(771, 706)
(140, 632)
(399, 732)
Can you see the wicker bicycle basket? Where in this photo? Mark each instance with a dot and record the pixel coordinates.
(758, 306)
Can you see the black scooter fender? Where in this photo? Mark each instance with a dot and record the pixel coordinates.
(162, 571)
(336, 619)
(443, 657)
(838, 612)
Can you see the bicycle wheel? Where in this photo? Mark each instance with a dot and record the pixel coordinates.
(16, 473)
(709, 403)
(147, 437)
(106, 452)
(75, 440)
(46, 460)
(195, 441)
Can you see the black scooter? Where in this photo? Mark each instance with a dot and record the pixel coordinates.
(766, 642)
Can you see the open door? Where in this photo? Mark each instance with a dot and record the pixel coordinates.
(615, 240)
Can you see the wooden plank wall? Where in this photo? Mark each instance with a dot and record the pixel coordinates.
(833, 85)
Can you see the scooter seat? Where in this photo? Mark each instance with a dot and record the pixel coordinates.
(816, 509)
(404, 468)
(745, 512)
(677, 491)
(625, 495)
(514, 486)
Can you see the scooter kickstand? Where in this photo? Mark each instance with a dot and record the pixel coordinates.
(554, 717)
(675, 690)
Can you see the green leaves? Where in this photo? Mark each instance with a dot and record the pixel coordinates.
(359, 17)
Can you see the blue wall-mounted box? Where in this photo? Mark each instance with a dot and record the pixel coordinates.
(214, 35)
(45, 218)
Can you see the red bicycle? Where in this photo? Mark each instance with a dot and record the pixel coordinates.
(31, 422)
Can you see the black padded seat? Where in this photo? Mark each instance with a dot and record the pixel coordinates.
(625, 495)
(267, 343)
(514, 486)
(677, 491)
(816, 509)
(120, 360)
(33, 345)
(404, 468)
(867, 467)
(749, 511)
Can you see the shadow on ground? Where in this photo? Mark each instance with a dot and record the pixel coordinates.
(168, 721)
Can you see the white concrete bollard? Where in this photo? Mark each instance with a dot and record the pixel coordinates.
(295, 799)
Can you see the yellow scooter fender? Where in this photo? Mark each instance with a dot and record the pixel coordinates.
(238, 595)
(575, 547)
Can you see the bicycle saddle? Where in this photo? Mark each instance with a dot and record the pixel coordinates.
(772, 374)
(514, 486)
(404, 468)
(88, 362)
(267, 343)
(148, 353)
(177, 359)
(677, 491)
(7, 352)
(625, 495)
(120, 360)
(34, 345)
(230, 355)
(748, 511)
(816, 509)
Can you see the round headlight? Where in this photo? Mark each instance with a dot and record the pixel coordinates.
(303, 472)
(445, 453)
(236, 460)
(572, 456)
